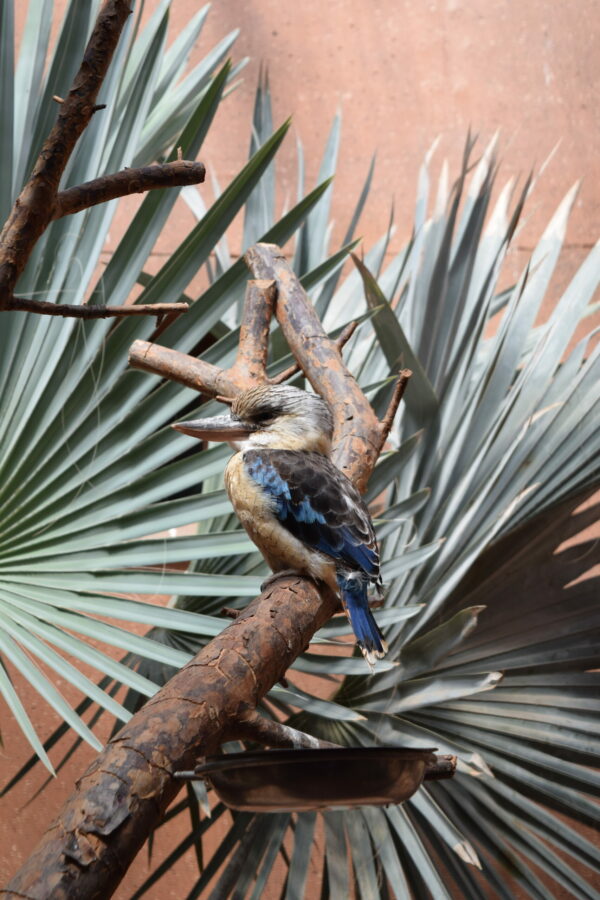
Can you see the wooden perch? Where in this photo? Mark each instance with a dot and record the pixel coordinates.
(40, 201)
(121, 798)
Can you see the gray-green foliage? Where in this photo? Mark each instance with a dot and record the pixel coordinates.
(491, 632)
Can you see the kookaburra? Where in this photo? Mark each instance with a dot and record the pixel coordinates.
(299, 509)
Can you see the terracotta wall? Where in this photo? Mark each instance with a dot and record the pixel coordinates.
(402, 72)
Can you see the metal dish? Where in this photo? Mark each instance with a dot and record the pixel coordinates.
(293, 780)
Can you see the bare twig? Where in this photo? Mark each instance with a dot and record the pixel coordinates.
(388, 419)
(129, 181)
(345, 335)
(96, 312)
(287, 373)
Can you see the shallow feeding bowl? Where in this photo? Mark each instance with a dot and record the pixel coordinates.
(294, 780)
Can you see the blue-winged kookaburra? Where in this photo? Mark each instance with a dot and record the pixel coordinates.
(299, 509)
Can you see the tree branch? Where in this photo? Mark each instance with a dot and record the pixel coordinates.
(130, 181)
(187, 370)
(33, 210)
(124, 793)
(250, 364)
(224, 383)
(40, 201)
(356, 427)
(343, 339)
(251, 360)
(84, 311)
(122, 796)
(388, 419)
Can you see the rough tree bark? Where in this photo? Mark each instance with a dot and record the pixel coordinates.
(122, 796)
(40, 201)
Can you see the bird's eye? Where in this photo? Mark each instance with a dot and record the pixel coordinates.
(264, 416)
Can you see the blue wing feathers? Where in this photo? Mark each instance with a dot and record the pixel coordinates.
(320, 507)
(268, 478)
(314, 501)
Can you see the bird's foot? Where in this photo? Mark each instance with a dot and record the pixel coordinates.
(268, 582)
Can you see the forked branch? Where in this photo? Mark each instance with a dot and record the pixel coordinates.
(40, 201)
(250, 366)
(340, 342)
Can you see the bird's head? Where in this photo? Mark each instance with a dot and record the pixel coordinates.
(276, 416)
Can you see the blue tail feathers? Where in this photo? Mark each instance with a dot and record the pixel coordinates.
(353, 587)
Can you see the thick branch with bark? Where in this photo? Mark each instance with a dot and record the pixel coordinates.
(120, 799)
(343, 339)
(250, 364)
(40, 201)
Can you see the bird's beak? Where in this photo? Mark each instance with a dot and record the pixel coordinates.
(217, 428)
